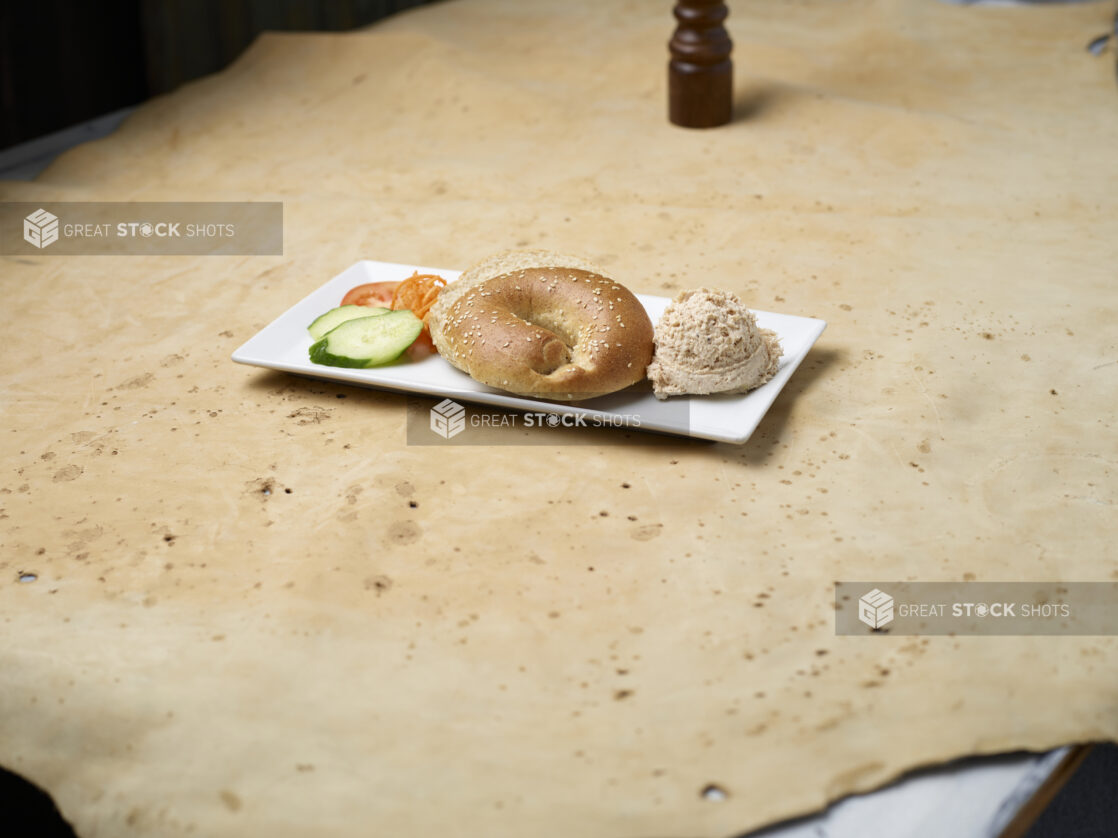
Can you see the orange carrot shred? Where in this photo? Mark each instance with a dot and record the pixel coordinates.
(418, 293)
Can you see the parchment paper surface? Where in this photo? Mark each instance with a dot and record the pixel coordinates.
(258, 612)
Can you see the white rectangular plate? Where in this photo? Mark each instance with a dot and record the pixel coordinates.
(284, 343)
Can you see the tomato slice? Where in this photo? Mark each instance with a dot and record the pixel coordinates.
(375, 294)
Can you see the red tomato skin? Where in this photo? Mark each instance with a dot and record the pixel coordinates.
(374, 294)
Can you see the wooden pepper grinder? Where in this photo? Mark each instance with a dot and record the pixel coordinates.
(700, 73)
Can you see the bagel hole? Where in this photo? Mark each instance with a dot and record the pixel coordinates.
(558, 350)
(552, 322)
(554, 354)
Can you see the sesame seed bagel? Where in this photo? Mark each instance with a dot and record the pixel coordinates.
(541, 324)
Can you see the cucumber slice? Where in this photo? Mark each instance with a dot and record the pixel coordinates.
(337, 316)
(368, 341)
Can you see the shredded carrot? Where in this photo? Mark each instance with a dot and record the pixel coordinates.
(418, 293)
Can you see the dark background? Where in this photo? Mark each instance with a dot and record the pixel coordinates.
(66, 61)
